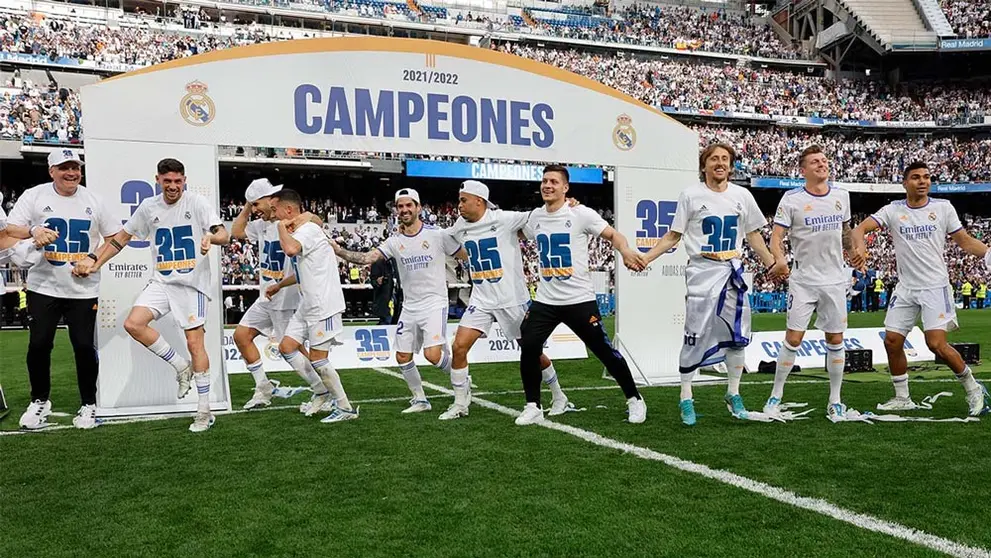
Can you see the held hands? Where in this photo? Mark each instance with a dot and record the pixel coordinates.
(779, 270)
(858, 260)
(84, 267)
(43, 236)
(634, 261)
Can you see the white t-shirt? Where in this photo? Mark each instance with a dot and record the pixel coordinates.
(4, 253)
(919, 235)
(316, 271)
(175, 232)
(815, 230)
(272, 265)
(494, 257)
(421, 260)
(562, 243)
(81, 221)
(714, 224)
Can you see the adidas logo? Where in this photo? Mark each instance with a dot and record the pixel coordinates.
(703, 208)
(48, 209)
(155, 220)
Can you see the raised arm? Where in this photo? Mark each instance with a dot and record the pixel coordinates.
(667, 242)
(360, 258)
(108, 250)
(290, 245)
(240, 225)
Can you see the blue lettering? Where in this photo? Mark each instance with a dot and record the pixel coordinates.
(305, 94)
(464, 119)
(410, 111)
(494, 121)
(518, 122)
(435, 116)
(770, 349)
(376, 120)
(338, 114)
(544, 137)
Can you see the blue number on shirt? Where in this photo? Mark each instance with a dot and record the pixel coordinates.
(132, 193)
(656, 218)
(369, 341)
(273, 258)
(73, 238)
(175, 245)
(721, 232)
(555, 256)
(486, 265)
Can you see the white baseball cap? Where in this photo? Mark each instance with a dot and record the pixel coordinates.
(408, 193)
(63, 155)
(260, 188)
(478, 189)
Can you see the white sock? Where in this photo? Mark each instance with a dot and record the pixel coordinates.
(835, 363)
(901, 386)
(165, 351)
(202, 380)
(445, 360)
(305, 370)
(967, 379)
(257, 372)
(550, 380)
(412, 376)
(459, 381)
(734, 370)
(686, 384)
(332, 381)
(786, 361)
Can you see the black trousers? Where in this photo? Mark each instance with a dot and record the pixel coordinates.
(966, 302)
(583, 319)
(80, 315)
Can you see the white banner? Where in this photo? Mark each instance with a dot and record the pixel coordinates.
(764, 346)
(132, 379)
(372, 346)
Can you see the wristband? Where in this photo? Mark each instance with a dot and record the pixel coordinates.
(31, 230)
(115, 244)
(92, 256)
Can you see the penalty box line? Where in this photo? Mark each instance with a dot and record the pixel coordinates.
(816, 505)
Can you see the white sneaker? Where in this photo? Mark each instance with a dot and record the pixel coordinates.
(560, 406)
(417, 406)
(262, 396)
(341, 415)
(979, 401)
(316, 404)
(35, 417)
(773, 407)
(898, 404)
(86, 419)
(202, 422)
(836, 412)
(455, 411)
(637, 410)
(532, 414)
(184, 377)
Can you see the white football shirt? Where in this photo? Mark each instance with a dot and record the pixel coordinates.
(714, 224)
(495, 259)
(815, 231)
(4, 253)
(81, 221)
(422, 260)
(273, 265)
(316, 271)
(175, 232)
(562, 246)
(919, 235)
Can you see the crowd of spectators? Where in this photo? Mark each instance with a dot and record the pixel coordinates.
(969, 18)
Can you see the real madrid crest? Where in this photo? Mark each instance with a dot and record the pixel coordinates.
(839, 206)
(624, 137)
(932, 215)
(426, 245)
(196, 107)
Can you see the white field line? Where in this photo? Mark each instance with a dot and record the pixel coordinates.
(816, 505)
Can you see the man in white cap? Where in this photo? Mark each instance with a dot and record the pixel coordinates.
(420, 252)
(499, 291)
(69, 221)
(268, 316)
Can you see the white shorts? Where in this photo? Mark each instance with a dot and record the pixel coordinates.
(509, 319)
(270, 322)
(936, 306)
(320, 333)
(417, 330)
(827, 301)
(186, 304)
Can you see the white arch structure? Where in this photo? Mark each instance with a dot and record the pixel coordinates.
(376, 95)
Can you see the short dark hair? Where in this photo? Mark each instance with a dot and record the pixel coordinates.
(913, 166)
(810, 150)
(290, 196)
(709, 149)
(561, 169)
(171, 165)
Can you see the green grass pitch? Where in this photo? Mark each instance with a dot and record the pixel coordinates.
(274, 483)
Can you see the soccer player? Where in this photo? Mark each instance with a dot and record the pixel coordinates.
(178, 221)
(319, 315)
(918, 226)
(717, 309)
(565, 295)
(816, 220)
(268, 316)
(499, 291)
(420, 251)
(69, 221)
